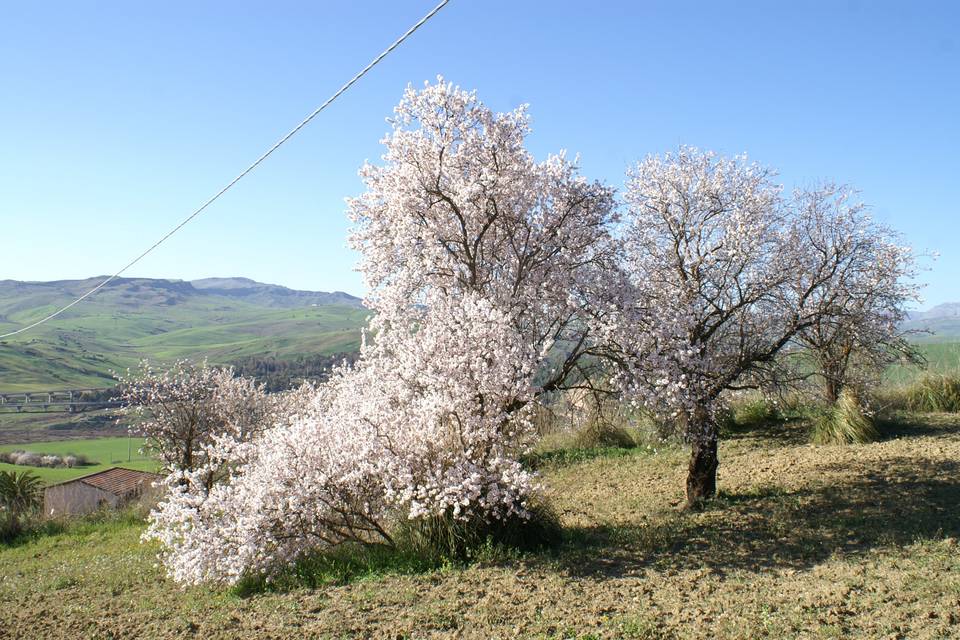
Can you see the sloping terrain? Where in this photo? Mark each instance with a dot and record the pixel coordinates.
(131, 318)
(804, 542)
(942, 322)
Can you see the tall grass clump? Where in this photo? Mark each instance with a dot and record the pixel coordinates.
(754, 412)
(599, 433)
(934, 393)
(844, 423)
(746, 412)
(448, 539)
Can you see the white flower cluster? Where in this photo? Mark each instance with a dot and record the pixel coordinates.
(479, 259)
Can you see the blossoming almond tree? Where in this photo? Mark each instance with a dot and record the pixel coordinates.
(181, 409)
(479, 260)
(855, 332)
(417, 430)
(462, 225)
(459, 206)
(720, 281)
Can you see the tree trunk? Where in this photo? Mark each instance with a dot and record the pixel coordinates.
(702, 473)
(831, 390)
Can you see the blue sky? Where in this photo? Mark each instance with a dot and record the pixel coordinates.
(118, 119)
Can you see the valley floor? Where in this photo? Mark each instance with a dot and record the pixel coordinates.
(803, 542)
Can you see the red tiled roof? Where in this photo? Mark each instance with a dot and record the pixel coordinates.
(118, 481)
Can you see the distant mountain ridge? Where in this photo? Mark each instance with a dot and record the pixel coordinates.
(273, 293)
(945, 310)
(943, 321)
(259, 293)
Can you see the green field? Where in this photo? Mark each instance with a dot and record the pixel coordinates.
(942, 358)
(106, 452)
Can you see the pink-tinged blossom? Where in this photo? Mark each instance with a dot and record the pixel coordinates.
(723, 273)
(479, 260)
(855, 332)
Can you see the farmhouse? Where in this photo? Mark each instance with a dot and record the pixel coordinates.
(109, 488)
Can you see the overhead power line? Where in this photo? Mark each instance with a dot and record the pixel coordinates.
(240, 177)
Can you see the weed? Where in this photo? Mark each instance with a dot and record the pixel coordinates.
(424, 545)
(341, 565)
(563, 457)
(934, 393)
(844, 423)
(599, 433)
(754, 412)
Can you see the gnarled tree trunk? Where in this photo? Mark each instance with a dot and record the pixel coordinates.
(702, 472)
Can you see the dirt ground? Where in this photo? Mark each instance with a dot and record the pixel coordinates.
(803, 542)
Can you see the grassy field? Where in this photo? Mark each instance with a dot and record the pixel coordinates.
(803, 542)
(82, 352)
(942, 357)
(105, 452)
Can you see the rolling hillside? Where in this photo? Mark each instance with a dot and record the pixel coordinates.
(942, 322)
(222, 319)
(225, 320)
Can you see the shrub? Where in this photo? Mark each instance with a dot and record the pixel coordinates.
(754, 412)
(19, 492)
(19, 501)
(51, 461)
(446, 538)
(27, 458)
(934, 393)
(843, 423)
(601, 433)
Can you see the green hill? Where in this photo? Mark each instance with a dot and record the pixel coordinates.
(222, 319)
(940, 323)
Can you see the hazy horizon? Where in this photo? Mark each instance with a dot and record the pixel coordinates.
(920, 308)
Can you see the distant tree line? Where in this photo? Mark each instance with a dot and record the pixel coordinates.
(275, 374)
(282, 375)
